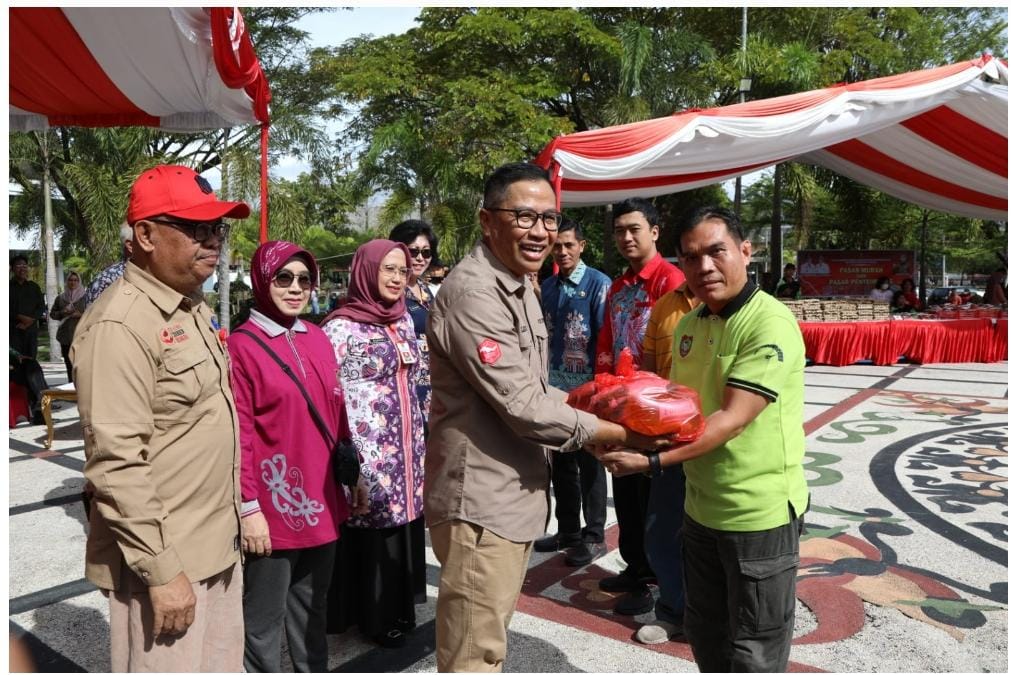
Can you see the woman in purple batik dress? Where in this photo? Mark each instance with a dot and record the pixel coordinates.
(380, 574)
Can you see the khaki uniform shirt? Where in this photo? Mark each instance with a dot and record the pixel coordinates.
(494, 417)
(160, 436)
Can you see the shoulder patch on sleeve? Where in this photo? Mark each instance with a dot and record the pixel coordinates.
(489, 352)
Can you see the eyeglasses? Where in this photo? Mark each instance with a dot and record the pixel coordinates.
(200, 232)
(284, 279)
(394, 271)
(526, 218)
(425, 253)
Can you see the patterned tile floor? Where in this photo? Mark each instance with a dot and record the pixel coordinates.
(904, 564)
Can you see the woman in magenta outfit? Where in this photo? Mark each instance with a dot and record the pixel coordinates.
(381, 556)
(292, 507)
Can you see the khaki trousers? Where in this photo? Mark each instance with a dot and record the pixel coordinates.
(212, 644)
(482, 575)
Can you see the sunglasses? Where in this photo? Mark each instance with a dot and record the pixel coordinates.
(284, 279)
(425, 253)
(198, 231)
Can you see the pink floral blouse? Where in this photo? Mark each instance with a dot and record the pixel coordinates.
(387, 427)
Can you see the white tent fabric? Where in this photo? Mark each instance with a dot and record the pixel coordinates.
(937, 138)
(182, 69)
(120, 66)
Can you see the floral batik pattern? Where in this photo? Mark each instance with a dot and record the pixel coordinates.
(385, 416)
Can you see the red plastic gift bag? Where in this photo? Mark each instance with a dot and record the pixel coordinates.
(643, 402)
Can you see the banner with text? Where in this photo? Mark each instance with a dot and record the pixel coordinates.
(851, 273)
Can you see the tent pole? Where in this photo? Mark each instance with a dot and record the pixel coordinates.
(923, 258)
(263, 182)
(776, 231)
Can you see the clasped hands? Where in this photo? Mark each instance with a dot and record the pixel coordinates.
(623, 461)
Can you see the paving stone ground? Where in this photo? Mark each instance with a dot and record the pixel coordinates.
(904, 564)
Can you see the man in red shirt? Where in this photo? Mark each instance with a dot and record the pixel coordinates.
(629, 302)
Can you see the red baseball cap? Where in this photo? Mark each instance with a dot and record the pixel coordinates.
(180, 192)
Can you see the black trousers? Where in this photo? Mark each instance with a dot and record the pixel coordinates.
(631, 503)
(65, 351)
(378, 579)
(740, 593)
(287, 589)
(580, 485)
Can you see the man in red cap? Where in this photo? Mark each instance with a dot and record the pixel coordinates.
(160, 437)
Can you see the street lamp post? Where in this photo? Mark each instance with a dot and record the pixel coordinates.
(743, 89)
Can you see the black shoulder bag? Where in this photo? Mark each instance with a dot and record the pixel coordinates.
(346, 465)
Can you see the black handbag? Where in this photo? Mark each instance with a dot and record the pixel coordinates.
(347, 466)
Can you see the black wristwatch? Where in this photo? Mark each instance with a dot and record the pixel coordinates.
(655, 468)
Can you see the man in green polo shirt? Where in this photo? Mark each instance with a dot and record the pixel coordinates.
(745, 495)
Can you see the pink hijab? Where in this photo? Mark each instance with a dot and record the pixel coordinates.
(267, 260)
(364, 304)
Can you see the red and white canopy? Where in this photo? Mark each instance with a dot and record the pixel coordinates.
(937, 138)
(180, 68)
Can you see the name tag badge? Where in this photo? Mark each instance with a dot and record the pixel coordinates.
(406, 357)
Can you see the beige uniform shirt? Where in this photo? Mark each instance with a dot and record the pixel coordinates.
(494, 416)
(160, 436)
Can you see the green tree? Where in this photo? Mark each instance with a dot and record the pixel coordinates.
(435, 109)
(440, 106)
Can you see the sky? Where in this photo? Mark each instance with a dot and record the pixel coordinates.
(334, 28)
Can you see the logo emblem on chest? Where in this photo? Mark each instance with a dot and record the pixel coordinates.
(173, 334)
(686, 345)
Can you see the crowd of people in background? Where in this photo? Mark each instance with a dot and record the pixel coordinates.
(276, 481)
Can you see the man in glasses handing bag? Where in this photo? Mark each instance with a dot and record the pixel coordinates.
(495, 420)
(161, 438)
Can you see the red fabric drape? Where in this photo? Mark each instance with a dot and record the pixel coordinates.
(860, 153)
(242, 69)
(884, 342)
(963, 137)
(52, 72)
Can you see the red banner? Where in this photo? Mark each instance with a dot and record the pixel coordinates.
(851, 273)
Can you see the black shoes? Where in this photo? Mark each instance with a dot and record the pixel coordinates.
(622, 582)
(637, 598)
(584, 553)
(391, 639)
(556, 542)
(639, 601)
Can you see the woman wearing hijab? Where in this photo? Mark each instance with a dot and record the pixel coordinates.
(381, 558)
(422, 249)
(68, 308)
(292, 507)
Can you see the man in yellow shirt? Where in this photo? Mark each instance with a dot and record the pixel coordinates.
(658, 345)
